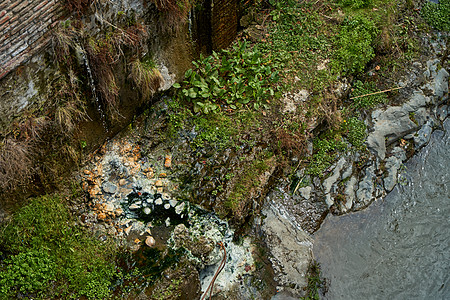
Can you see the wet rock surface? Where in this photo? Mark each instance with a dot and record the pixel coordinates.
(290, 250)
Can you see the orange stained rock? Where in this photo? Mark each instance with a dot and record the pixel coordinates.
(168, 161)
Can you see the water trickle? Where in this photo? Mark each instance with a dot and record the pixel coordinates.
(93, 89)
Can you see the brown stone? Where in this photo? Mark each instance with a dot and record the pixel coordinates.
(101, 216)
(168, 161)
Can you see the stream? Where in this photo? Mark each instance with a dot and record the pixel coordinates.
(398, 248)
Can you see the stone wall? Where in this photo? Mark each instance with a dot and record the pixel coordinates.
(24, 29)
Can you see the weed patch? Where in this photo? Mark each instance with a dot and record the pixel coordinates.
(437, 14)
(58, 258)
(355, 44)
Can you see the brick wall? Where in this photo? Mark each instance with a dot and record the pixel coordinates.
(24, 29)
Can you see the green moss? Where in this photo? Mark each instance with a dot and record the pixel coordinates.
(356, 131)
(325, 152)
(437, 15)
(366, 102)
(355, 44)
(43, 232)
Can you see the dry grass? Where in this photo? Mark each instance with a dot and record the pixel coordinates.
(16, 166)
(78, 7)
(104, 56)
(146, 77)
(175, 12)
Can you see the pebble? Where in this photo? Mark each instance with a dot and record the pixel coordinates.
(173, 203)
(134, 206)
(128, 229)
(109, 187)
(165, 196)
(168, 161)
(119, 212)
(179, 209)
(158, 201)
(167, 206)
(158, 183)
(109, 207)
(150, 241)
(147, 211)
(101, 216)
(122, 182)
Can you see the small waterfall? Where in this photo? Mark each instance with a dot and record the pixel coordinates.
(93, 89)
(191, 16)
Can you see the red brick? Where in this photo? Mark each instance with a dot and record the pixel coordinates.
(14, 4)
(4, 19)
(41, 5)
(2, 13)
(5, 3)
(3, 27)
(20, 7)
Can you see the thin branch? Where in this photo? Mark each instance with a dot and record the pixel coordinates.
(393, 89)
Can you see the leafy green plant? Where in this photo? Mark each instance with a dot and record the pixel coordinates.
(26, 272)
(233, 78)
(437, 14)
(83, 265)
(355, 44)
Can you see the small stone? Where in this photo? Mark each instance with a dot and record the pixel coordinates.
(87, 172)
(147, 210)
(165, 196)
(167, 206)
(128, 229)
(179, 209)
(134, 206)
(158, 183)
(150, 241)
(168, 161)
(122, 182)
(101, 216)
(158, 201)
(173, 203)
(160, 190)
(118, 211)
(167, 222)
(109, 207)
(137, 241)
(109, 187)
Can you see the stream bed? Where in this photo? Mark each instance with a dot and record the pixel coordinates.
(398, 248)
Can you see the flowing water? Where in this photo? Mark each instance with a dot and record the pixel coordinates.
(399, 247)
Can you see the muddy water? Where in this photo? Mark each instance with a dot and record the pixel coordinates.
(399, 247)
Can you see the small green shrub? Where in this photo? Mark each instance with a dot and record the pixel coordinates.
(355, 44)
(27, 272)
(437, 15)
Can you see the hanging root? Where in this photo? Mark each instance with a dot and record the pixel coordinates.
(221, 266)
